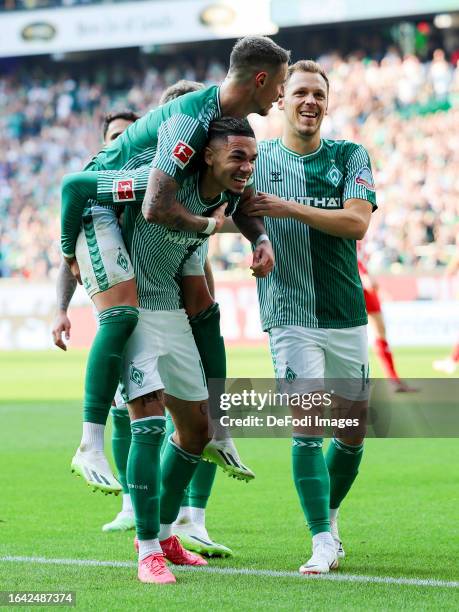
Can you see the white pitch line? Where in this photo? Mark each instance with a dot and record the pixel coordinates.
(231, 571)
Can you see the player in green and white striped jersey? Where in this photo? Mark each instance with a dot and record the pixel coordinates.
(190, 525)
(161, 352)
(317, 197)
(174, 135)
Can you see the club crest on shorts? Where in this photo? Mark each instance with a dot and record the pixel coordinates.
(365, 178)
(123, 190)
(136, 375)
(182, 154)
(290, 375)
(122, 261)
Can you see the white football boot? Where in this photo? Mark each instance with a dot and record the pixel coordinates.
(337, 540)
(195, 538)
(94, 468)
(324, 557)
(224, 454)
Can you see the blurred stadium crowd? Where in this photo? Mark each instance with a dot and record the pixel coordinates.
(405, 111)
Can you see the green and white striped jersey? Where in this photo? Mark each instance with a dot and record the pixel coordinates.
(169, 137)
(315, 282)
(157, 252)
(202, 252)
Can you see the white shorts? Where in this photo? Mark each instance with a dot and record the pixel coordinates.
(162, 354)
(318, 358)
(100, 251)
(193, 266)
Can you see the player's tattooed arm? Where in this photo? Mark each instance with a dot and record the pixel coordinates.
(65, 288)
(160, 206)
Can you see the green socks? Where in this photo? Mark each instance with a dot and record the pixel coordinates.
(312, 483)
(211, 347)
(198, 492)
(104, 362)
(177, 467)
(121, 442)
(143, 474)
(343, 463)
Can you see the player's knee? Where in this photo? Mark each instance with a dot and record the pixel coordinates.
(150, 404)
(193, 435)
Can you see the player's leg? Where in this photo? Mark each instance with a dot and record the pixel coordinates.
(298, 357)
(121, 442)
(143, 388)
(168, 335)
(190, 525)
(381, 345)
(204, 315)
(143, 477)
(347, 369)
(108, 277)
(184, 379)
(450, 364)
(180, 459)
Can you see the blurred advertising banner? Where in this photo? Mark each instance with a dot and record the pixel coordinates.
(130, 24)
(309, 12)
(419, 311)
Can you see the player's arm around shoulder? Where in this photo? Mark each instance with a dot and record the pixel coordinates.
(351, 221)
(161, 206)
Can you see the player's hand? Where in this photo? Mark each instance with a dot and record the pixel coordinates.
(219, 215)
(266, 205)
(263, 260)
(61, 326)
(74, 268)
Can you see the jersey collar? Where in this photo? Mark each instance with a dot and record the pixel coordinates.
(217, 200)
(218, 102)
(306, 156)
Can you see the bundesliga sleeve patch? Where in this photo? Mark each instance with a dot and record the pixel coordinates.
(182, 154)
(365, 178)
(123, 190)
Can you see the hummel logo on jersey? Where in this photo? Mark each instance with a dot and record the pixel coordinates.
(123, 190)
(143, 429)
(136, 375)
(121, 260)
(307, 443)
(182, 154)
(276, 177)
(334, 175)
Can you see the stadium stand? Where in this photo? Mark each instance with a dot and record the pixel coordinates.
(403, 109)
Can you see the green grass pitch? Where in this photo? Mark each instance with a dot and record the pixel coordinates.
(399, 521)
